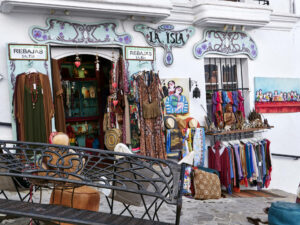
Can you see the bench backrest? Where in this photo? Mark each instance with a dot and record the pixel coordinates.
(55, 165)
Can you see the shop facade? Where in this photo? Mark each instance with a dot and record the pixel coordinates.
(176, 33)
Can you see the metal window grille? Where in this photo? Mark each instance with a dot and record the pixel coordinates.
(223, 74)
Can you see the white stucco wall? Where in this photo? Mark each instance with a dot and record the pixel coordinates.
(278, 57)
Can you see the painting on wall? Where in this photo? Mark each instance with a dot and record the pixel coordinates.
(277, 95)
(176, 95)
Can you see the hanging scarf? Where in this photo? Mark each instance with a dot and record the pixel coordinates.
(199, 147)
(185, 147)
(241, 103)
(235, 104)
(214, 105)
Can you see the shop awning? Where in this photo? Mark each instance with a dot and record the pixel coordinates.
(148, 10)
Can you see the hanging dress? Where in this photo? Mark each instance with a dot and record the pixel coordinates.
(152, 137)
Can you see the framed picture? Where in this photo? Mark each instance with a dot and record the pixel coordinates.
(176, 95)
(277, 95)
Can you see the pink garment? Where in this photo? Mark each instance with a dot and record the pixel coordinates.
(219, 101)
(241, 103)
(229, 94)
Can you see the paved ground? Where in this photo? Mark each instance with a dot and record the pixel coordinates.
(224, 211)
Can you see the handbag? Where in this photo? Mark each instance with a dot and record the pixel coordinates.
(207, 185)
(112, 138)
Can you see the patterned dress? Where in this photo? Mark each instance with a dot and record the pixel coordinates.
(152, 137)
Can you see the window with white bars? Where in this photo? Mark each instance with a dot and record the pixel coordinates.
(225, 74)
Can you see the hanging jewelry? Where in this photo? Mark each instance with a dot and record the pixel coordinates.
(97, 63)
(77, 61)
(34, 93)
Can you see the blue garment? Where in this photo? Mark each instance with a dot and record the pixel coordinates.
(235, 101)
(96, 143)
(230, 160)
(168, 142)
(248, 161)
(225, 98)
(264, 162)
(251, 159)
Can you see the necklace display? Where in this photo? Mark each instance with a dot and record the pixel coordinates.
(34, 93)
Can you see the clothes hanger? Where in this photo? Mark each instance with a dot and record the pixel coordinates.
(31, 70)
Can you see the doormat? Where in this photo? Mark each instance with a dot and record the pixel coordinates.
(251, 194)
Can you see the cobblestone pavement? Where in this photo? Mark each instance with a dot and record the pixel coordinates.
(225, 211)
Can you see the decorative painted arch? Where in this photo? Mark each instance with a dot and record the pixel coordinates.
(61, 31)
(225, 43)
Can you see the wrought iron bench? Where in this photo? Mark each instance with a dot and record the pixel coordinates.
(153, 182)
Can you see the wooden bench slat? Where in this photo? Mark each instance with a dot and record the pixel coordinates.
(69, 215)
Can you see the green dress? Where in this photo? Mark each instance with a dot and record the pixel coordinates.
(34, 118)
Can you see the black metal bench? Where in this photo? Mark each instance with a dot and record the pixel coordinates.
(151, 181)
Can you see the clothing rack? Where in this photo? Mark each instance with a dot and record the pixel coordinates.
(296, 157)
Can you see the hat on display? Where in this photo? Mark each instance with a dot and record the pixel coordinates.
(170, 122)
(112, 138)
(181, 123)
(192, 123)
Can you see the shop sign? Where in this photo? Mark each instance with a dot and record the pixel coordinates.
(165, 36)
(139, 53)
(28, 52)
(77, 33)
(226, 43)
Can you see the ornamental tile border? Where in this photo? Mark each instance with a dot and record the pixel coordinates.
(225, 43)
(70, 32)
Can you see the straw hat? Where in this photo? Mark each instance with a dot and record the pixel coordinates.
(170, 122)
(192, 123)
(181, 123)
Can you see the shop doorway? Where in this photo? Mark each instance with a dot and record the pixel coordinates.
(85, 91)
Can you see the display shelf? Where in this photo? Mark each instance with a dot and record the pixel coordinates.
(80, 119)
(237, 131)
